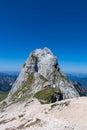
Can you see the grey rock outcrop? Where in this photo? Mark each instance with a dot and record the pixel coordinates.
(41, 77)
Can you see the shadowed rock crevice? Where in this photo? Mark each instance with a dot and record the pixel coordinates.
(57, 96)
(36, 67)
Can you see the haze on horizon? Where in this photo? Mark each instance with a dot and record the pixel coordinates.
(26, 25)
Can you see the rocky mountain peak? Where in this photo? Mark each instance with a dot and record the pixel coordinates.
(41, 61)
(42, 78)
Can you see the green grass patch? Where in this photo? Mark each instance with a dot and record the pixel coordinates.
(24, 89)
(43, 78)
(45, 94)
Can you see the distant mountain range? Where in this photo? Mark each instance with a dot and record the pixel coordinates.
(7, 80)
(81, 78)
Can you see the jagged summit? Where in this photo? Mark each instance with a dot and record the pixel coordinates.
(42, 78)
(40, 60)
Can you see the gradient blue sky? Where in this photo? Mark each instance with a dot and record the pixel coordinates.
(60, 25)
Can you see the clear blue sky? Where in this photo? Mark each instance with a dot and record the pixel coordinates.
(60, 25)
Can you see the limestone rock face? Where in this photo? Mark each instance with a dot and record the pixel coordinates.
(42, 78)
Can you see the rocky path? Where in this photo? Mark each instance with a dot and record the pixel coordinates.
(65, 115)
